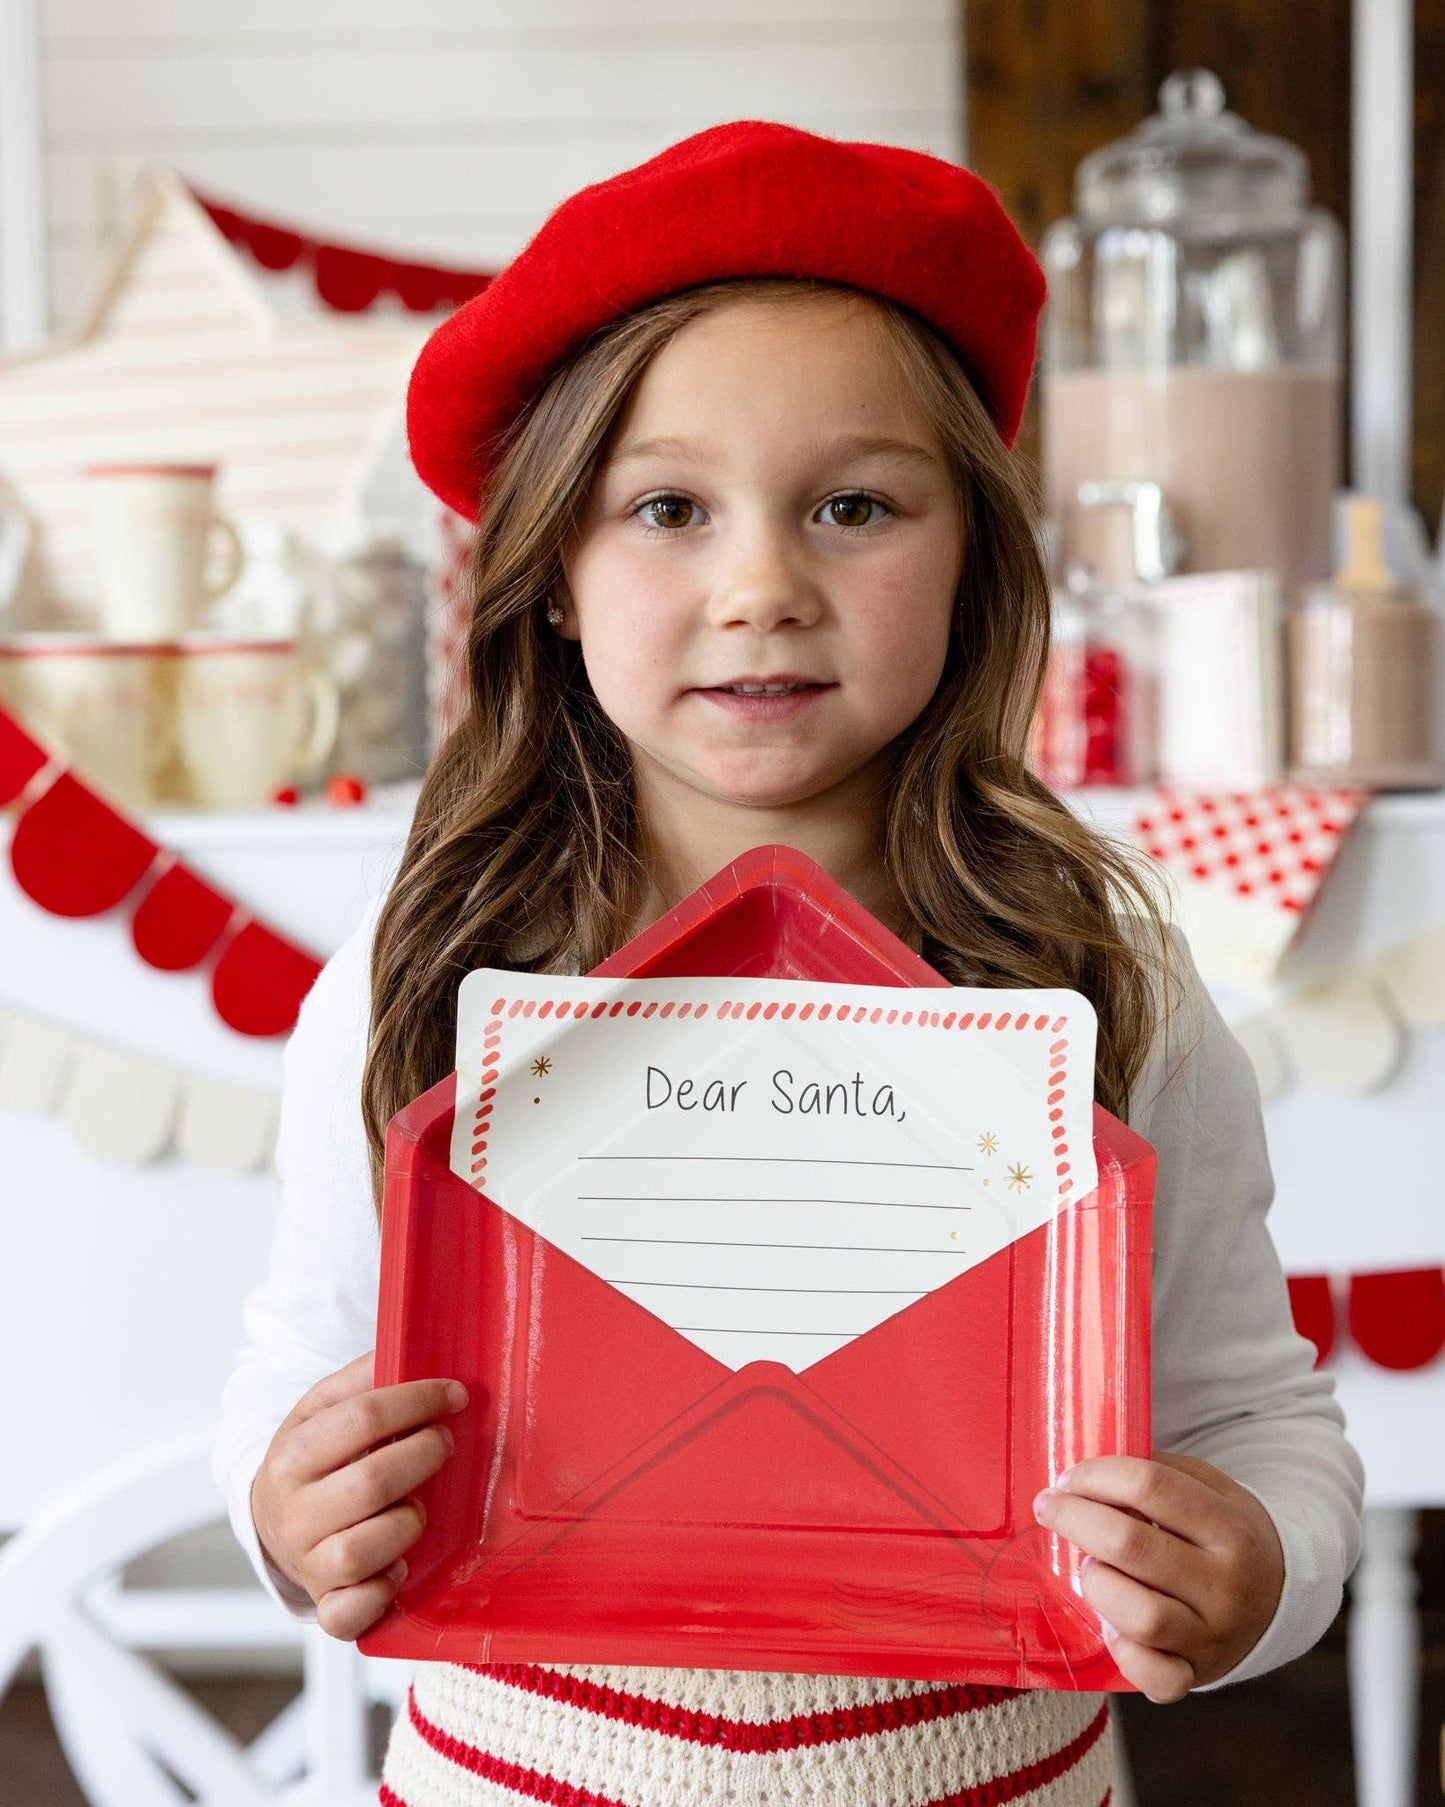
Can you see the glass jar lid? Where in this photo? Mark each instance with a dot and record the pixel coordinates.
(1191, 157)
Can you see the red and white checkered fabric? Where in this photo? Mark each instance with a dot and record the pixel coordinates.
(1276, 844)
(1247, 866)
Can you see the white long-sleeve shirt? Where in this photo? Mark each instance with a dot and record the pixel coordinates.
(1233, 1383)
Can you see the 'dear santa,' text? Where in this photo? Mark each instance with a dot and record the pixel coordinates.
(854, 1096)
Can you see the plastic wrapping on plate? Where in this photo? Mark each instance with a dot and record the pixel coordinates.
(617, 1495)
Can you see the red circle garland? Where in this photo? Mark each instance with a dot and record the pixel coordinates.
(179, 920)
(1398, 1319)
(21, 758)
(259, 981)
(1313, 1308)
(74, 854)
(346, 277)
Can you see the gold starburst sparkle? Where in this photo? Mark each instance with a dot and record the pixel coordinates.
(1019, 1177)
(541, 1065)
(988, 1143)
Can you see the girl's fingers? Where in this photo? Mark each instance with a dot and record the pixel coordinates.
(347, 1558)
(345, 1612)
(1157, 1558)
(340, 1432)
(355, 1377)
(1168, 1492)
(1141, 1614)
(367, 1487)
(1160, 1677)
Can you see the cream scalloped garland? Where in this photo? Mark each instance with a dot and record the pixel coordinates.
(121, 1107)
(1346, 1033)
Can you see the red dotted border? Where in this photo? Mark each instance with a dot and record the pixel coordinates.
(504, 1008)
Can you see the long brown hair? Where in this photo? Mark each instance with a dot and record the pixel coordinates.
(525, 847)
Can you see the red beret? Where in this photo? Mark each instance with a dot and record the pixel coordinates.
(751, 197)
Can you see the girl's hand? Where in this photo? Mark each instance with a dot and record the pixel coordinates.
(331, 1507)
(1184, 1565)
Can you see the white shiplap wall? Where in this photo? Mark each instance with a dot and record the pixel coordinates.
(450, 128)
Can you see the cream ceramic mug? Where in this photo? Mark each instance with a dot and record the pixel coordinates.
(249, 719)
(154, 526)
(98, 706)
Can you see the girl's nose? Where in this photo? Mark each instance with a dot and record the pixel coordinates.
(765, 587)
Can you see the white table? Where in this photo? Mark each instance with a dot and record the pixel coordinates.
(1337, 1157)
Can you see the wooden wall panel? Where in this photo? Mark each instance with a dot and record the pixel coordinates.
(1429, 285)
(1049, 81)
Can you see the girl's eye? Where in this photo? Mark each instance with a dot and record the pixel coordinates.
(672, 502)
(853, 499)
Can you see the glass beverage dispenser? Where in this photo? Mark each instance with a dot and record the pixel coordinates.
(1192, 339)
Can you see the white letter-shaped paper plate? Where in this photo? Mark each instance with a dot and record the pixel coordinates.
(770, 1166)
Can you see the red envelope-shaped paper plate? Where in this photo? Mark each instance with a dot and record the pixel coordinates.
(617, 1495)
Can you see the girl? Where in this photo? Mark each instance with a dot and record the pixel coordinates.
(755, 565)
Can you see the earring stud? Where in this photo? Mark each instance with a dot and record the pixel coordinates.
(556, 615)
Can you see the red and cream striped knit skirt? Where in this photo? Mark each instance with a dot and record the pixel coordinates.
(505, 1734)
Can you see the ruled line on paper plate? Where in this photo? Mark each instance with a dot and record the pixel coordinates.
(753, 1198)
(852, 1248)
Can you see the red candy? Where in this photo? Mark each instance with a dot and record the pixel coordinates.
(345, 790)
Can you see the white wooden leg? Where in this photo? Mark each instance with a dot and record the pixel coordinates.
(1123, 1791)
(1384, 1659)
(338, 1705)
(132, 1735)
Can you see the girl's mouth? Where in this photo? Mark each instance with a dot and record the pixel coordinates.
(764, 702)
